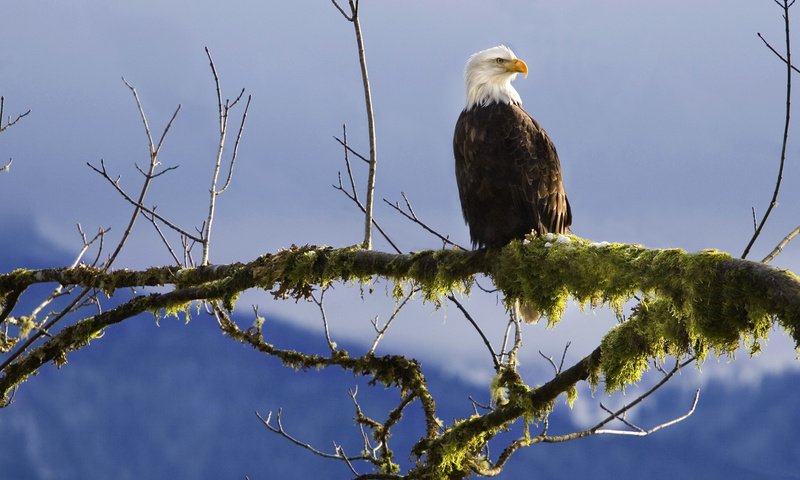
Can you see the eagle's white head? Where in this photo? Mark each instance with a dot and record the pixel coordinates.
(488, 76)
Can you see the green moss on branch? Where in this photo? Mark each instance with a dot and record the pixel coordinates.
(701, 301)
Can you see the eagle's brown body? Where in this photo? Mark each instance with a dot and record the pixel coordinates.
(508, 174)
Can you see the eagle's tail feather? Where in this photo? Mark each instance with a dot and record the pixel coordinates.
(527, 312)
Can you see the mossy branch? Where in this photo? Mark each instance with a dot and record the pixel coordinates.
(81, 333)
(701, 301)
(452, 455)
(390, 370)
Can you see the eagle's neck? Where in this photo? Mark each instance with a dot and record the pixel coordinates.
(484, 89)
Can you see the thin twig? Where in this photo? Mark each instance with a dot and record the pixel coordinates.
(340, 451)
(775, 51)
(350, 149)
(223, 130)
(373, 150)
(353, 193)
(9, 122)
(321, 305)
(347, 164)
(411, 215)
(383, 233)
(512, 354)
(788, 62)
(484, 289)
(621, 418)
(643, 433)
(472, 321)
(157, 174)
(236, 146)
(506, 337)
(164, 135)
(550, 361)
(138, 205)
(223, 110)
(563, 356)
(150, 145)
(57, 292)
(368, 448)
(341, 10)
(163, 238)
(777, 250)
(382, 331)
(278, 428)
(394, 416)
(678, 366)
(476, 405)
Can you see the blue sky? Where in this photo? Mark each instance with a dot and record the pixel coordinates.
(667, 118)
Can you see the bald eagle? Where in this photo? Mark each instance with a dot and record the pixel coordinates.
(507, 168)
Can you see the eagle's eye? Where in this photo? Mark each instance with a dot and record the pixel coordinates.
(499, 60)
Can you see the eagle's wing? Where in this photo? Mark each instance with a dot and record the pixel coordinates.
(541, 187)
(508, 175)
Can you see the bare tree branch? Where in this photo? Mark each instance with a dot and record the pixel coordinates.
(373, 149)
(382, 330)
(138, 205)
(347, 149)
(223, 110)
(278, 428)
(86, 245)
(472, 321)
(236, 146)
(354, 199)
(495, 468)
(77, 301)
(775, 51)
(778, 248)
(9, 123)
(343, 143)
(413, 217)
(556, 368)
(785, 5)
(678, 366)
(321, 305)
(341, 10)
(643, 433)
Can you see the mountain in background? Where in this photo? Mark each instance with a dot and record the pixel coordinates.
(177, 401)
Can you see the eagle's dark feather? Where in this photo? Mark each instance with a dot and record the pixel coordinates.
(508, 174)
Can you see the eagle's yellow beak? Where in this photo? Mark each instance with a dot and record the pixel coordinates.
(518, 66)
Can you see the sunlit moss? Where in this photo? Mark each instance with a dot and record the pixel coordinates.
(455, 458)
(572, 395)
